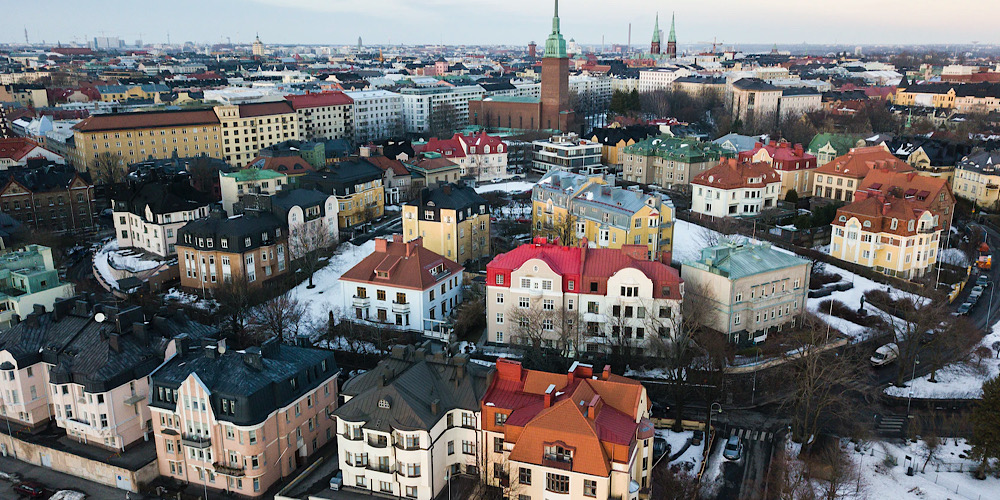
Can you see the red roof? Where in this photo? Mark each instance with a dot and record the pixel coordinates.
(448, 148)
(402, 265)
(731, 173)
(318, 99)
(386, 163)
(784, 155)
(858, 162)
(153, 119)
(16, 148)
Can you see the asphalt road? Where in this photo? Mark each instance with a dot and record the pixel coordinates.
(54, 481)
(745, 478)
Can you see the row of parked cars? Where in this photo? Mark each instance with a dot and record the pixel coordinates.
(982, 283)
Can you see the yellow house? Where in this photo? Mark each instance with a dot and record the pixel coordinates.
(356, 183)
(453, 220)
(613, 141)
(135, 137)
(977, 179)
(572, 207)
(117, 93)
(893, 236)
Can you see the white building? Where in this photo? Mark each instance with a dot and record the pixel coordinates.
(411, 423)
(568, 152)
(420, 104)
(660, 78)
(403, 286)
(795, 102)
(378, 114)
(735, 188)
(309, 215)
(324, 115)
(148, 217)
(600, 87)
(233, 185)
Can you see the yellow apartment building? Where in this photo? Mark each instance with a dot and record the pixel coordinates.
(453, 220)
(247, 128)
(357, 184)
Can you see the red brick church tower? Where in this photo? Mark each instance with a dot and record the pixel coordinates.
(556, 112)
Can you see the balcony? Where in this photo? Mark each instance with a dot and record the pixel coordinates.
(196, 441)
(388, 469)
(362, 302)
(400, 307)
(557, 461)
(228, 470)
(352, 437)
(378, 442)
(135, 399)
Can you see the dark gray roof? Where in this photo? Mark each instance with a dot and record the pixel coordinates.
(792, 91)
(258, 379)
(162, 197)
(984, 162)
(754, 84)
(40, 177)
(451, 196)
(341, 177)
(409, 383)
(235, 229)
(99, 356)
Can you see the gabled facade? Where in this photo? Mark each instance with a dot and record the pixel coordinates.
(838, 179)
(410, 422)
(826, 146)
(48, 197)
(735, 188)
(793, 165)
(214, 249)
(977, 179)
(480, 156)
(16, 151)
(405, 286)
(669, 161)
(575, 435)
(148, 216)
(931, 193)
(592, 208)
(357, 185)
(309, 215)
(452, 220)
(581, 299)
(240, 421)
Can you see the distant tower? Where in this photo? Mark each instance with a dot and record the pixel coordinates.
(672, 40)
(654, 48)
(556, 111)
(532, 47)
(359, 44)
(258, 47)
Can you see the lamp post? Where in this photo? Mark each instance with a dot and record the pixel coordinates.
(708, 428)
(753, 392)
(916, 361)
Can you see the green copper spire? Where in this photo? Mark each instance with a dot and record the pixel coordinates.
(555, 45)
(673, 36)
(656, 29)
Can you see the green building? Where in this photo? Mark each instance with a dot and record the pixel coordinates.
(669, 161)
(29, 279)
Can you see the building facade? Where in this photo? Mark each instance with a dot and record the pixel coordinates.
(378, 114)
(841, 177)
(213, 250)
(735, 188)
(30, 278)
(49, 197)
(149, 215)
(357, 185)
(419, 106)
(750, 291)
(324, 115)
(241, 182)
(669, 162)
(793, 165)
(567, 152)
(452, 220)
(479, 155)
(754, 101)
(248, 128)
(978, 180)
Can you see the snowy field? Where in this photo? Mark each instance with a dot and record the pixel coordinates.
(946, 476)
(954, 256)
(327, 296)
(114, 263)
(191, 299)
(690, 461)
(961, 380)
(512, 187)
(712, 480)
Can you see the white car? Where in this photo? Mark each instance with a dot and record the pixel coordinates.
(885, 355)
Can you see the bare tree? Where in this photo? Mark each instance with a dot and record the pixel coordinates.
(443, 120)
(911, 320)
(282, 317)
(107, 169)
(306, 241)
(562, 228)
(236, 297)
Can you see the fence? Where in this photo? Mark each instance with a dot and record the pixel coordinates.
(872, 455)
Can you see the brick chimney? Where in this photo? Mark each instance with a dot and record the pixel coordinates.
(606, 374)
(381, 245)
(413, 245)
(595, 406)
(798, 149)
(548, 395)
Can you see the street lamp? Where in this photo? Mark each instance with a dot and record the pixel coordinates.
(447, 477)
(916, 361)
(753, 392)
(708, 428)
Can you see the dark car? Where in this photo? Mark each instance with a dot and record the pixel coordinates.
(660, 447)
(983, 281)
(29, 489)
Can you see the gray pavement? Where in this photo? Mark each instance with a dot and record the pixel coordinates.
(54, 481)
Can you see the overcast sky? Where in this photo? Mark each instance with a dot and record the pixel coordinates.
(336, 22)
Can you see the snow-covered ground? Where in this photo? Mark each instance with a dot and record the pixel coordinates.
(191, 299)
(512, 187)
(114, 263)
(946, 476)
(690, 238)
(342, 344)
(954, 256)
(961, 380)
(690, 461)
(327, 295)
(712, 480)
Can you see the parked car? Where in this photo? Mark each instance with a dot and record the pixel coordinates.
(976, 291)
(734, 448)
(517, 177)
(337, 480)
(29, 489)
(885, 355)
(660, 447)
(964, 309)
(983, 281)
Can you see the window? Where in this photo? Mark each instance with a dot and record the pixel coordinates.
(498, 445)
(499, 298)
(589, 488)
(523, 302)
(468, 447)
(556, 483)
(499, 279)
(499, 318)
(524, 476)
(500, 418)
(451, 447)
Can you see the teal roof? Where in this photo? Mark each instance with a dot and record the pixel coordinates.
(678, 149)
(842, 143)
(555, 45)
(656, 29)
(673, 36)
(739, 261)
(253, 174)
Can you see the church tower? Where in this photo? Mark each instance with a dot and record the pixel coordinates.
(654, 48)
(258, 47)
(556, 112)
(672, 40)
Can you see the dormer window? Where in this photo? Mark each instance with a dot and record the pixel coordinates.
(211, 243)
(224, 242)
(247, 241)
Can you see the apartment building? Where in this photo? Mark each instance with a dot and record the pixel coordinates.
(929, 193)
(754, 101)
(247, 128)
(573, 207)
(891, 235)
(48, 196)
(978, 180)
(653, 79)
(309, 215)
(615, 139)
(827, 146)
(29, 278)
(147, 216)
(735, 188)
(965, 97)
(750, 290)
(118, 93)
(478, 155)
(567, 152)
(576, 435)
(453, 221)
(797, 101)
(431, 169)
(378, 114)
(421, 103)
(240, 421)
(397, 181)
(214, 249)
(405, 286)
(841, 177)
(357, 185)
(248, 181)
(793, 165)
(669, 161)
(581, 299)
(85, 366)
(323, 115)
(412, 423)
(135, 137)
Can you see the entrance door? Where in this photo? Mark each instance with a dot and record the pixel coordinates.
(46, 460)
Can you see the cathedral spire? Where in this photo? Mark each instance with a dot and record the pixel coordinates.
(555, 45)
(673, 36)
(656, 29)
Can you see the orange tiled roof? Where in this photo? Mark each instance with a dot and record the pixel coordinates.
(731, 173)
(880, 210)
(859, 161)
(920, 189)
(407, 265)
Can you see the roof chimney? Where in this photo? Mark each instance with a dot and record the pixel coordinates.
(607, 372)
(381, 245)
(412, 245)
(548, 395)
(114, 342)
(594, 406)
(435, 406)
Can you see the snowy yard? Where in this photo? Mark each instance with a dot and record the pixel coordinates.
(961, 380)
(954, 256)
(882, 466)
(191, 299)
(327, 296)
(712, 480)
(512, 187)
(114, 263)
(690, 462)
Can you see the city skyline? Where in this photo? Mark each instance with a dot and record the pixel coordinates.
(516, 22)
